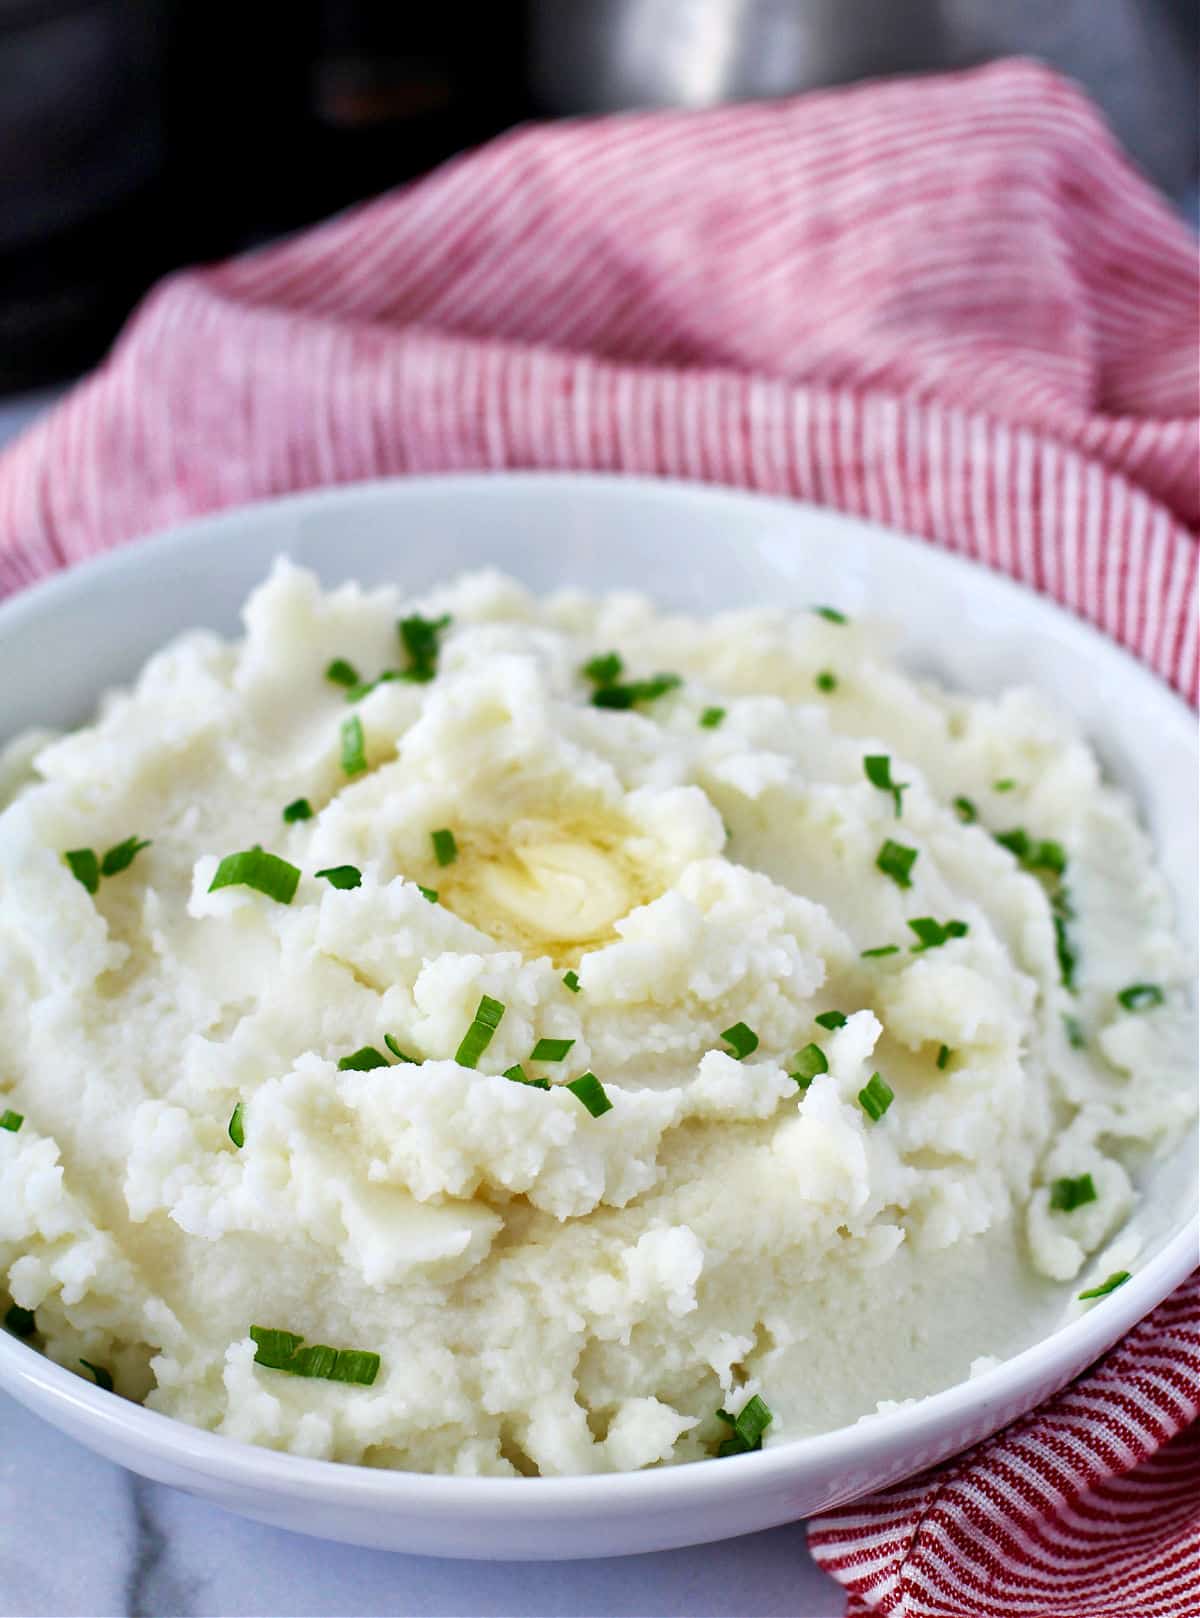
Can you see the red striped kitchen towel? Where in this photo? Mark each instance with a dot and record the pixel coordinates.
(946, 303)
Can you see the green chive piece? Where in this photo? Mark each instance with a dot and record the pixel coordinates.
(85, 867)
(933, 934)
(10, 1120)
(743, 1040)
(1016, 841)
(550, 1050)
(831, 1019)
(237, 1127)
(711, 718)
(445, 849)
(1141, 996)
(588, 1089)
(103, 1379)
(604, 669)
(943, 1056)
(571, 979)
(878, 769)
(635, 691)
(826, 680)
(20, 1321)
(965, 810)
(1068, 1194)
(401, 1056)
(1116, 1279)
(831, 615)
(519, 1076)
(479, 1035)
(354, 747)
(748, 1425)
(356, 693)
(1006, 785)
(298, 809)
(122, 855)
(421, 639)
(342, 673)
(897, 860)
(876, 1097)
(341, 876)
(255, 868)
(1067, 961)
(281, 1351)
(431, 894)
(1074, 1032)
(881, 949)
(808, 1063)
(362, 1060)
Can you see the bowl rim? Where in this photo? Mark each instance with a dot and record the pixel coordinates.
(44, 1382)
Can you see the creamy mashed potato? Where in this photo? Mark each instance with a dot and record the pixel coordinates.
(848, 1129)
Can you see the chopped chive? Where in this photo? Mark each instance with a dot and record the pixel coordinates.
(897, 860)
(1035, 854)
(943, 1056)
(85, 867)
(826, 680)
(10, 1120)
(298, 809)
(571, 979)
(1115, 1280)
(341, 876)
(519, 1076)
(588, 1089)
(237, 1127)
(550, 1050)
(421, 639)
(354, 747)
(881, 949)
(401, 1056)
(1141, 996)
(878, 769)
(748, 1425)
(255, 868)
(831, 615)
(431, 894)
(1016, 841)
(1006, 785)
(711, 718)
(122, 855)
(743, 1040)
(342, 673)
(605, 668)
(479, 1035)
(281, 1351)
(831, 1019)
(1073, 1029)
(20, 1321)
(1066, 955)
(356, 693)
(1068, 1194)
(965, 810)
(445, 849)
(808, 1063)
(876, 1097)
(103, 1379)
(362, 1060)
(933, 934)
(632, 692)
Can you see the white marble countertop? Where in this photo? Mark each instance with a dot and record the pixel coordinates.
(79, 1536)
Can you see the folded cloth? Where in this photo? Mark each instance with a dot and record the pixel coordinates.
(947, 303)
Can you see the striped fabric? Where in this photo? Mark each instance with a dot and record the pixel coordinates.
(949, 304)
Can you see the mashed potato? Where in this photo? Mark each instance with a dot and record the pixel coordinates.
(840, 1090)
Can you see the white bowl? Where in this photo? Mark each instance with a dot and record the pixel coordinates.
(690, 547)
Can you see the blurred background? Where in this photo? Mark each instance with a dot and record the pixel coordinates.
(136, 135)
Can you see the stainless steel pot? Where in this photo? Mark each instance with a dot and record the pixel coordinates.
(1137, 58)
